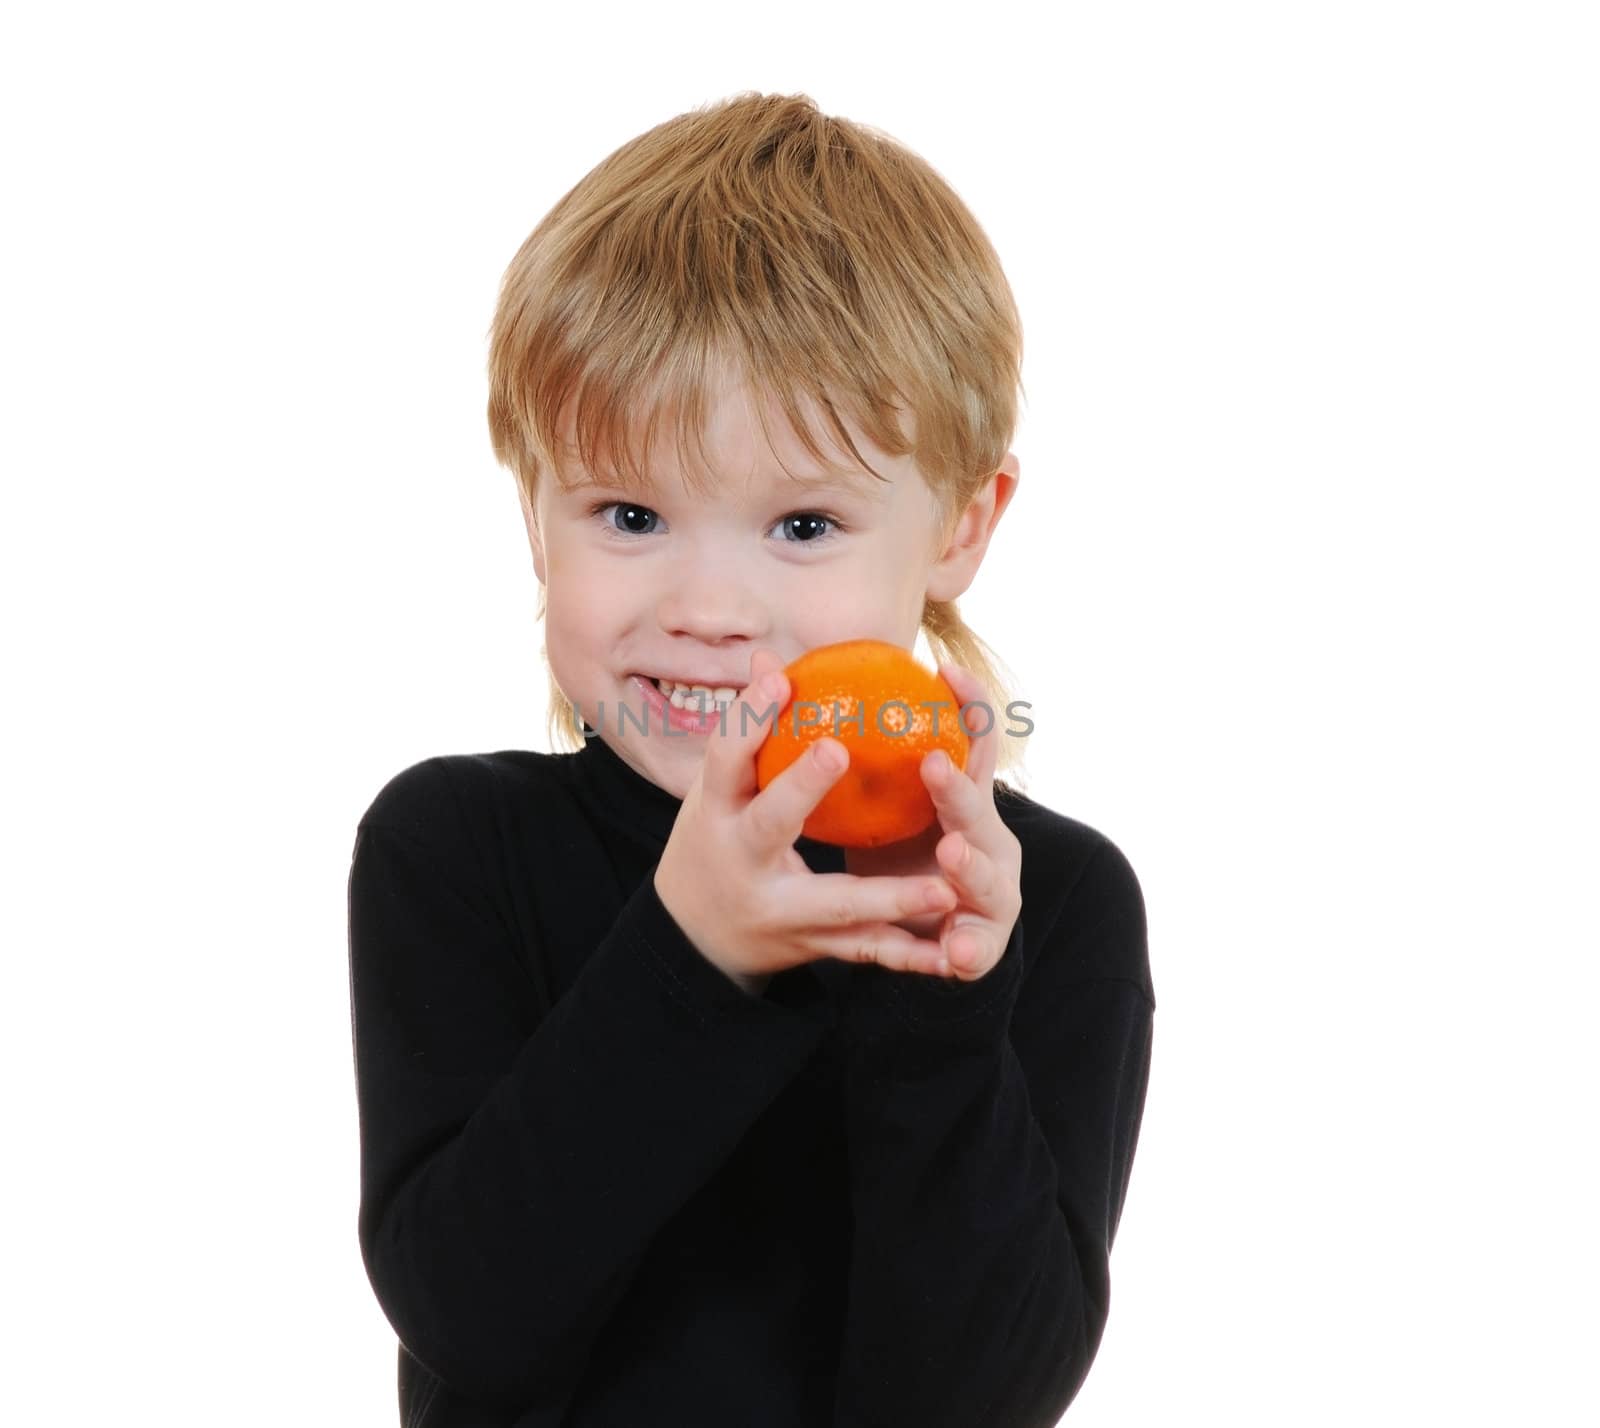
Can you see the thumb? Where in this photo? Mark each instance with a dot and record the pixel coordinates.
(729, 771)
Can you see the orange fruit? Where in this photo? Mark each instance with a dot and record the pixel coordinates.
(884, 707)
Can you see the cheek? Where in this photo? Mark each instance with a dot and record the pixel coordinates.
(584, 592)
(868, 607)
(559, 649)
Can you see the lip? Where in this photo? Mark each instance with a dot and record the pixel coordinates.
(737, 683)
(658, 704)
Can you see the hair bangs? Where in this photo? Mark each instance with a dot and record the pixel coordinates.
(609, 432)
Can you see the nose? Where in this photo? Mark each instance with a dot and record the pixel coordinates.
(711, 603)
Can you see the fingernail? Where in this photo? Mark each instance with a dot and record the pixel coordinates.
(768, 687)
(941, 764)
(830, 758)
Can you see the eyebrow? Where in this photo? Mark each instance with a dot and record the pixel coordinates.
(834, 480)
(847, 483)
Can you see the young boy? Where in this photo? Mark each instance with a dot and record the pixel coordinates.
(665, 1117)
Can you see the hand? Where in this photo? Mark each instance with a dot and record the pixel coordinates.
(968, 843)
(732, 880)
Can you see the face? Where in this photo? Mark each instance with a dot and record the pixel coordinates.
(689, 586)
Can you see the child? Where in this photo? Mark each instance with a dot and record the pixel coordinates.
(669, 1114)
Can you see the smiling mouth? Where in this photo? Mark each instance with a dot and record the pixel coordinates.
(695, 692)
(693, 705)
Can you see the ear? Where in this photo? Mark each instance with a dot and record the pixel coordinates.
(956, 564)
(530, 519)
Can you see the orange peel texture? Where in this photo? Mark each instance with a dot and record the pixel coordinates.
(890, 713)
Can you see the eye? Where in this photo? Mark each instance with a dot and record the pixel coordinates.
(810, 523)
(811, 527)
(630, 513)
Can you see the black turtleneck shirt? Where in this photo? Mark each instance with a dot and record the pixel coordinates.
(603, 1186)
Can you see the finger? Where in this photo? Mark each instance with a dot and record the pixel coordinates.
(979, 722)
(765, 665)
(969, 949)
(890, 947)
(971, 871)
(776, 816)
(845, 900)
(728, 775)
(961, 805)
(965, 799)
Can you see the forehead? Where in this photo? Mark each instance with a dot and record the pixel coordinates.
(733, 456)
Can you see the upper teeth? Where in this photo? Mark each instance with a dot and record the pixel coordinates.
(684, 696)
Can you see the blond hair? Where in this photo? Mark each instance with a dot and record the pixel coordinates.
(823, 261)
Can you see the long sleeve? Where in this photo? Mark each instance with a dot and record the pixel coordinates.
(991, 1127)
(517, 1157)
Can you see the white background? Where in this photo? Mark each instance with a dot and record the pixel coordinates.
(1300, 581)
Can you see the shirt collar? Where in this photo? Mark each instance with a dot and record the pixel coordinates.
(621, 791)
